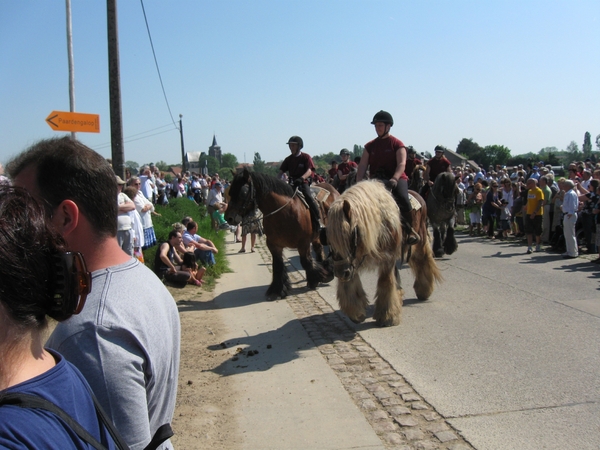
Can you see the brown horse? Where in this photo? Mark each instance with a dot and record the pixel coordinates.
(417, 178)
(286, 223)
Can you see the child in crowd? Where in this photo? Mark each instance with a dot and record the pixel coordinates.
(474, 202)
(190, 265)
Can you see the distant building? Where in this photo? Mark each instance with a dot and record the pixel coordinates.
(192, 161)
(215, 150)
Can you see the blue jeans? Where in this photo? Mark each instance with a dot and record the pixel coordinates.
(206, 256)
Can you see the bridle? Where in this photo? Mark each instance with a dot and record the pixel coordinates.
(250, 202)
(445, 203)
(353, 247)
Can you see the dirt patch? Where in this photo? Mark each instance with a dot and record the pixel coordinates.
(205, 411)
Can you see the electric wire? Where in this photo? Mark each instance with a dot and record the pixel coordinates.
(129, 138)
(156, 63)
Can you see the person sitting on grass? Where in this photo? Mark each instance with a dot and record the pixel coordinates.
(167, 259)
(204, 249)
(189, 264)
(219, 216)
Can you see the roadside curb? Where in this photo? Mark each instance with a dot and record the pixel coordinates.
(395, 411)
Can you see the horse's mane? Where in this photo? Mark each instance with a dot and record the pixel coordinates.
(445, 185)
(418, 167)
(374, 212)
(263, 184)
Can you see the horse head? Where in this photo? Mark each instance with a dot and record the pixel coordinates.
(344, 240)
(445, 188)
(242, 198)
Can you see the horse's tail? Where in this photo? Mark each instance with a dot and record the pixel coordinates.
(425, 269)
(421, 261)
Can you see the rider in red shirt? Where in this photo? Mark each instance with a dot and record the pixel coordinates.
(411, 161)
(299, 166)
(436, 165)
(345, 167)
(385, 157)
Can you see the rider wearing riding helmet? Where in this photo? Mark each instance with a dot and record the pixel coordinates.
(344, 168)
(411, 161)
(385, 157)
(299, 166)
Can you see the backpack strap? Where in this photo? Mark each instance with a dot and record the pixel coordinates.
(163, 433)
(33, 401)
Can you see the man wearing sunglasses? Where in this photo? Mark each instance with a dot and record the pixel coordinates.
(126, 340)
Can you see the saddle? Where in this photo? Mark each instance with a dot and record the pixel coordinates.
(416, 205)
(319, 195)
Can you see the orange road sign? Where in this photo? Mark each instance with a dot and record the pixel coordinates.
(73, 121)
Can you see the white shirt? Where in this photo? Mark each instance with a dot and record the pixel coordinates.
(570, 202)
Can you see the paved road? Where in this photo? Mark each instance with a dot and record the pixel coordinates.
(506, 350)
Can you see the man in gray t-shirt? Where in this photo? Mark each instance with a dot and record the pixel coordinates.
(126, 340)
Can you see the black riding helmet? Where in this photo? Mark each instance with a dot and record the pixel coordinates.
(344, 151)
(383, 116)
(296, 140)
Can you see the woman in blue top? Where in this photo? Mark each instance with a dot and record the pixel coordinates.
(38, 279)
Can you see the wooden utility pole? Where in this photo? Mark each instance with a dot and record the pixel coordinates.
(71, 63)
(114, 84)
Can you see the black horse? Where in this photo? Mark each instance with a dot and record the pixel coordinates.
(440, 212)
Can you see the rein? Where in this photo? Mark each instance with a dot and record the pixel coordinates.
(281, 207)
(251, 200)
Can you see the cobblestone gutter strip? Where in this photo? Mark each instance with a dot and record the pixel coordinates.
(399, 416)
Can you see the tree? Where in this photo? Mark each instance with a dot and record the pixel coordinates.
(495, 154)
(469, 149)
(587, 145)
(132, 166)
(550, 156)
(212, 163)
(259, 164)
(229, 160)
(573, 151)
(162, 166)
(357, 151)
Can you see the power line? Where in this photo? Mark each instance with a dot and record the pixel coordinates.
(156, 63)
(129, 139)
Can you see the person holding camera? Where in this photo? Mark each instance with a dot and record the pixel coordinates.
(299, 166)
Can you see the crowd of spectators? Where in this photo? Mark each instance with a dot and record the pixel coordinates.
(529, 203)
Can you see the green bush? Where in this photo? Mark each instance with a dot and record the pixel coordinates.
(177, 209)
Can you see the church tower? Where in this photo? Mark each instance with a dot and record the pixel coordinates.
(215, 150)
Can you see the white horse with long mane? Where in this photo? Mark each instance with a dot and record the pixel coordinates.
(364, 232)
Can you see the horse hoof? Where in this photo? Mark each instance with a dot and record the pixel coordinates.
(360, 319)
(273, 297)
(439, 254)
(387, 323)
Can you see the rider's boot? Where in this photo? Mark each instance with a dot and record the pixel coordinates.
(315, 219)
(412, 237)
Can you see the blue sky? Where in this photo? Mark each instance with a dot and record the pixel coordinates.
(523, 74)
